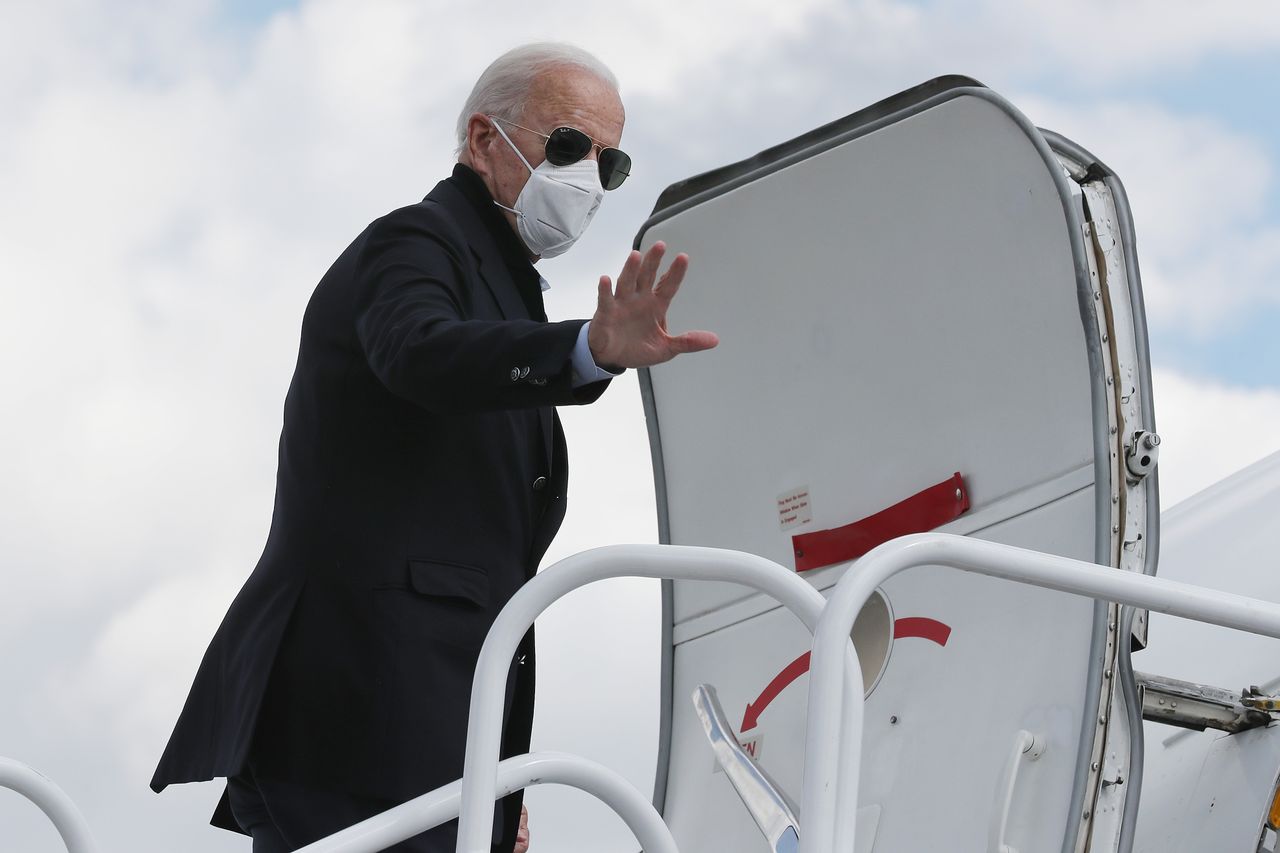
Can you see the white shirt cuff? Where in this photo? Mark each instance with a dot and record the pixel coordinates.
(585, 369)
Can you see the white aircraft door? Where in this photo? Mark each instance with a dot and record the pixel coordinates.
(916, 334)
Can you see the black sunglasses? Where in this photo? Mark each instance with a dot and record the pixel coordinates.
(566, 145)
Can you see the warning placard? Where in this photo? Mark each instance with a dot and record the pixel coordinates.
(751, 746)
(793, 508)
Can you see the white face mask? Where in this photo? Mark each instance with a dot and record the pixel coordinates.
(556, 204)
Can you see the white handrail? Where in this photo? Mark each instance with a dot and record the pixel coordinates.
(484, 729)
(830, 788)
(432, 809)
(51, 800)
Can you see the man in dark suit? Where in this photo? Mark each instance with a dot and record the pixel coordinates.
(422, 473)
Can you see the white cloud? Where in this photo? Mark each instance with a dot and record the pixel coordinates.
(1199, 192)
(1099, 39)
(1208, 430)
(1093, 42)
(146, 652)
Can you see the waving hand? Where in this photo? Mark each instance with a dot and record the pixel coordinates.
(629, 328)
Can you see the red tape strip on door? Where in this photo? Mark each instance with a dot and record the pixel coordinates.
(920, 513)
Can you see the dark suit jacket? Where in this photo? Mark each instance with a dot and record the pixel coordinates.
(421, 478)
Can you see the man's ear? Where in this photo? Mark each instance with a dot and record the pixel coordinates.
(480, 140)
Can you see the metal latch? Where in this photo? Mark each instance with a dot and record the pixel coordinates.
(1199, 706)
(1142, 453)
(1255, 698)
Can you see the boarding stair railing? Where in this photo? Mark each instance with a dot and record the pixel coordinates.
(485, 779)
(51, 800)
(829, 793)
(835, 704)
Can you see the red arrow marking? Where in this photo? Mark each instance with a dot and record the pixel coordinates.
(922, 626)
(790, 673)
(910, 626)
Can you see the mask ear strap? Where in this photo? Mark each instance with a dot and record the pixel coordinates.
(503, 134)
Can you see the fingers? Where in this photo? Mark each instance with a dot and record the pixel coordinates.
(669, 284)
(639, 271)
(627, 278)
(649, 267)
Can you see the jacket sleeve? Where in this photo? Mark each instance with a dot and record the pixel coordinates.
(411, 322)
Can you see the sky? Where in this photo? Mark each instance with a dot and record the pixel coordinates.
(174, 179)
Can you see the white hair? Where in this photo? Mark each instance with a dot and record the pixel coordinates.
(503, 88)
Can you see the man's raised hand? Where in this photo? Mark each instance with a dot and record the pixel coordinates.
(629, 328)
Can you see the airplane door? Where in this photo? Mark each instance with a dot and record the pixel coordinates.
(919, 330)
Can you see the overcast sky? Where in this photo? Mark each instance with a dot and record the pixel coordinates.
(175, 177)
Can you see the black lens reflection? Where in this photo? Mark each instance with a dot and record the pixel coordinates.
(567, 145)
(615, 166)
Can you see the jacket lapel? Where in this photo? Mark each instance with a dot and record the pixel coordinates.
(493, 271)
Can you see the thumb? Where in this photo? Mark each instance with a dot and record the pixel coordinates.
(695, 341)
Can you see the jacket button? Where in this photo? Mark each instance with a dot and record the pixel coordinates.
(539, 484)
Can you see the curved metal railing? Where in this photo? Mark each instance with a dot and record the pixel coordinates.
(51, 800)
(835, 708)
(830, 788)
(538, 768)
(681, 562)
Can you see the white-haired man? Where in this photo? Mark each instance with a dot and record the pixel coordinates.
(422, 473)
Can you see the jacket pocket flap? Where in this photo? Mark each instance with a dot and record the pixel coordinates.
(449, 580)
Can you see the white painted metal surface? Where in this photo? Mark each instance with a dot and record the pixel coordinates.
(522, 771)
(51, 800)
(834, 734)
(484, 728)
(1226, 536)
(936, 728)
(891, 310)
(898, 302)
(1208, 792)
